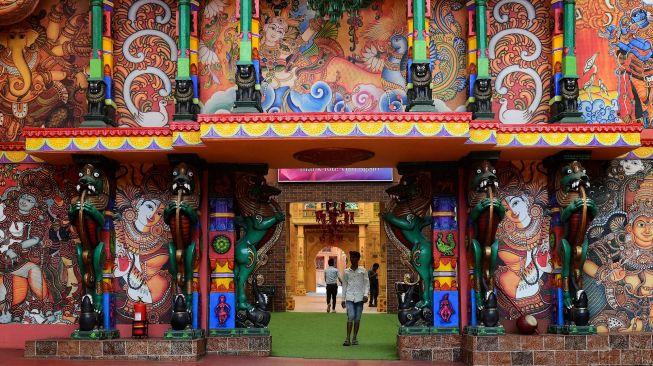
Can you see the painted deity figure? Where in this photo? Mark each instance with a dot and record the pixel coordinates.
(280, 54)
(222, 311)
(631, 39)
(628, 277)
(523, 255)
(21, 233)
(139, 258)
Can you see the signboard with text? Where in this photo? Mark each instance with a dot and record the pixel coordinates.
(335, 175)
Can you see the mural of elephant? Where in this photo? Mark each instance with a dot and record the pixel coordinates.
(18, 46)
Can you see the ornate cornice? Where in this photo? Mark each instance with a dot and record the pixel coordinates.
(12, 146)
(96, 132)
(570, 128)
(334, 117)
(184, 126)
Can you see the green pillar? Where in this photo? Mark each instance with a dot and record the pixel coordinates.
(419, 43)
(95, 69)
(481, 39)
(183, 62)
(245, 29)
(569, 34)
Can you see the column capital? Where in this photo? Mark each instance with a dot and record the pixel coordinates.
(481, 2)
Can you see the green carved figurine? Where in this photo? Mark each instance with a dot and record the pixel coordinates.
(259, 216)
(577, 212)
(486, 213)
(410, 214)
(86, 213)
(181, 214)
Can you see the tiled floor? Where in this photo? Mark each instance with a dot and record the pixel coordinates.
(316, 302)
(15, 358)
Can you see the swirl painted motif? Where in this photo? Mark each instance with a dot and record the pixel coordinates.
(520, 42)
(146, 54)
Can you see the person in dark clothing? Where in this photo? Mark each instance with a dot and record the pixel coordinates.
(373, 274)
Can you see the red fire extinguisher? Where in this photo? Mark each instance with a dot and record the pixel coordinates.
(139, 324)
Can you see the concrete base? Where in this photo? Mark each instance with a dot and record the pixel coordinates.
(240, 345)
(117, 349)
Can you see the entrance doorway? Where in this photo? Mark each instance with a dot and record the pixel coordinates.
(309, 252)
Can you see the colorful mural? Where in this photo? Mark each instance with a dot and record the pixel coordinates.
(519, 51)
(39, 279)
(141, 259)
(145, 62)
(524, 264)
(42, 69)
(614, 58)
(309, 64)
(619, 267)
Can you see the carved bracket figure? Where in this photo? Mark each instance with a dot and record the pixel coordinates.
(566, 110)
(486, 213)
(420, 94)
(86, 213)
(248, 96)
(98, 110)
(404, 222)
(182, 215)
(185, 108)
(577, 211)
(482, 105)
(259, 216)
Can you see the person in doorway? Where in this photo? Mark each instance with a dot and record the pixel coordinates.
(373, 275)
(355, 286)
(331, 278)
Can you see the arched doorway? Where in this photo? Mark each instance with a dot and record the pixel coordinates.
(307, 253)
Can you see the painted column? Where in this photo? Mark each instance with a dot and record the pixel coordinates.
(565, 90)
(300, 288)
(480, 94)
(108, 295)
(95, 69)
(446, 309)
(481, 39)
(222, 297)
(472, 59)
(101, 107)
(418, 88)
(248, 80)
(569, 59)
(186, 89)
(558, 47)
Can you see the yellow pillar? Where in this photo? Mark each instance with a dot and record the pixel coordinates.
(300, 288)
(362, 235)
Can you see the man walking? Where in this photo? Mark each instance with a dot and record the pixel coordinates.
(331, 277)
(355, 286)
(373, 274)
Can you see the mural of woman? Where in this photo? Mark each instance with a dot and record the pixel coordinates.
(24, 291)
(524, 258)
(280, 52)
(141, 250)
(621, 266)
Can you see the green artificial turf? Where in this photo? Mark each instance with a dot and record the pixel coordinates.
(320, 335)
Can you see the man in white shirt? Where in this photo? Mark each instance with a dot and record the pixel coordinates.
(331, 278)
(355, 286)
